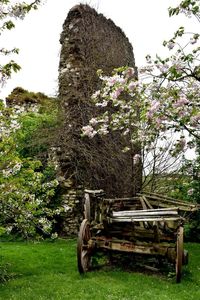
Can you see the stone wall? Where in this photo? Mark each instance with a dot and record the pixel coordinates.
(91, 42)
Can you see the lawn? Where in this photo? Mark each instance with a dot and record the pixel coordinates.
(48, 270)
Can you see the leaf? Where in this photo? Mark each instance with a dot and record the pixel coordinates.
(9, 25)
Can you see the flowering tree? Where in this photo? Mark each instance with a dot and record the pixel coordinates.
(26, 192)
(174, 89)
(8, 14)
(163, 99)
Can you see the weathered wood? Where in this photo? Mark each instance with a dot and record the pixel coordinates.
(148, 212)
(145, 224)
(147, 235)
(147, 219)
(155, 224)
(159, 200)
(160, 204)
(164, 199)
(143, 203)
(147, 202)
(150, 268)
(120, 199)
(95, 192)
(141, 248)
(168, 198)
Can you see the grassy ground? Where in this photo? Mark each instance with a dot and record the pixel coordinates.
(48, 271)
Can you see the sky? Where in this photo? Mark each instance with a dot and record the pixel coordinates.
(145, 23)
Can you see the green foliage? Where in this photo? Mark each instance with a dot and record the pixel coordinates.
(192, 228)
(7, 69)
(187, 6)
(4, 273)
(27, 188)
(22, 96)
(195, 183)
(38, 125)
(37, 131)
(186, 185)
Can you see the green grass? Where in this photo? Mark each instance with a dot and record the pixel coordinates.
(48, 271)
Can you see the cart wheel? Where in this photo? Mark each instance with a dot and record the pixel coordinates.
(83, 249)
(179, 253)
(87, 207)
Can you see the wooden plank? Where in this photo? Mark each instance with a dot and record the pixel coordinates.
(124, 246)
(159, 204)
(150, 212)
(94, 192)
(168, 200)
(157, 209)
(146, 234)
(145, 224)
(143, 203)
(147, 202)
(148, 219)
(120, 199)
(155, 224)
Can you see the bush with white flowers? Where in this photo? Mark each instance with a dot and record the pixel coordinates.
(25, 192)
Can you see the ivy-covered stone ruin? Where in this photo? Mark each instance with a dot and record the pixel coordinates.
(90, 42)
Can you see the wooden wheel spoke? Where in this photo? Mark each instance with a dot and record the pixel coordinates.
(179, 254)
(84, 253)
(83, 248)
(86, 236)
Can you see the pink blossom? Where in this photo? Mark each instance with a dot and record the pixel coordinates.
(180, 102)
(182, 113)
(154, 107)
(178, 66)
(115, 79)
(121, 80)
(129, 72)
(116, 93)
(111, 80)
(132, 85)
(158, 121)
(170, 45)
(195, 119)
(149, 114)
(163, 68)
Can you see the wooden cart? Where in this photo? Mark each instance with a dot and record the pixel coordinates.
(148, 224)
